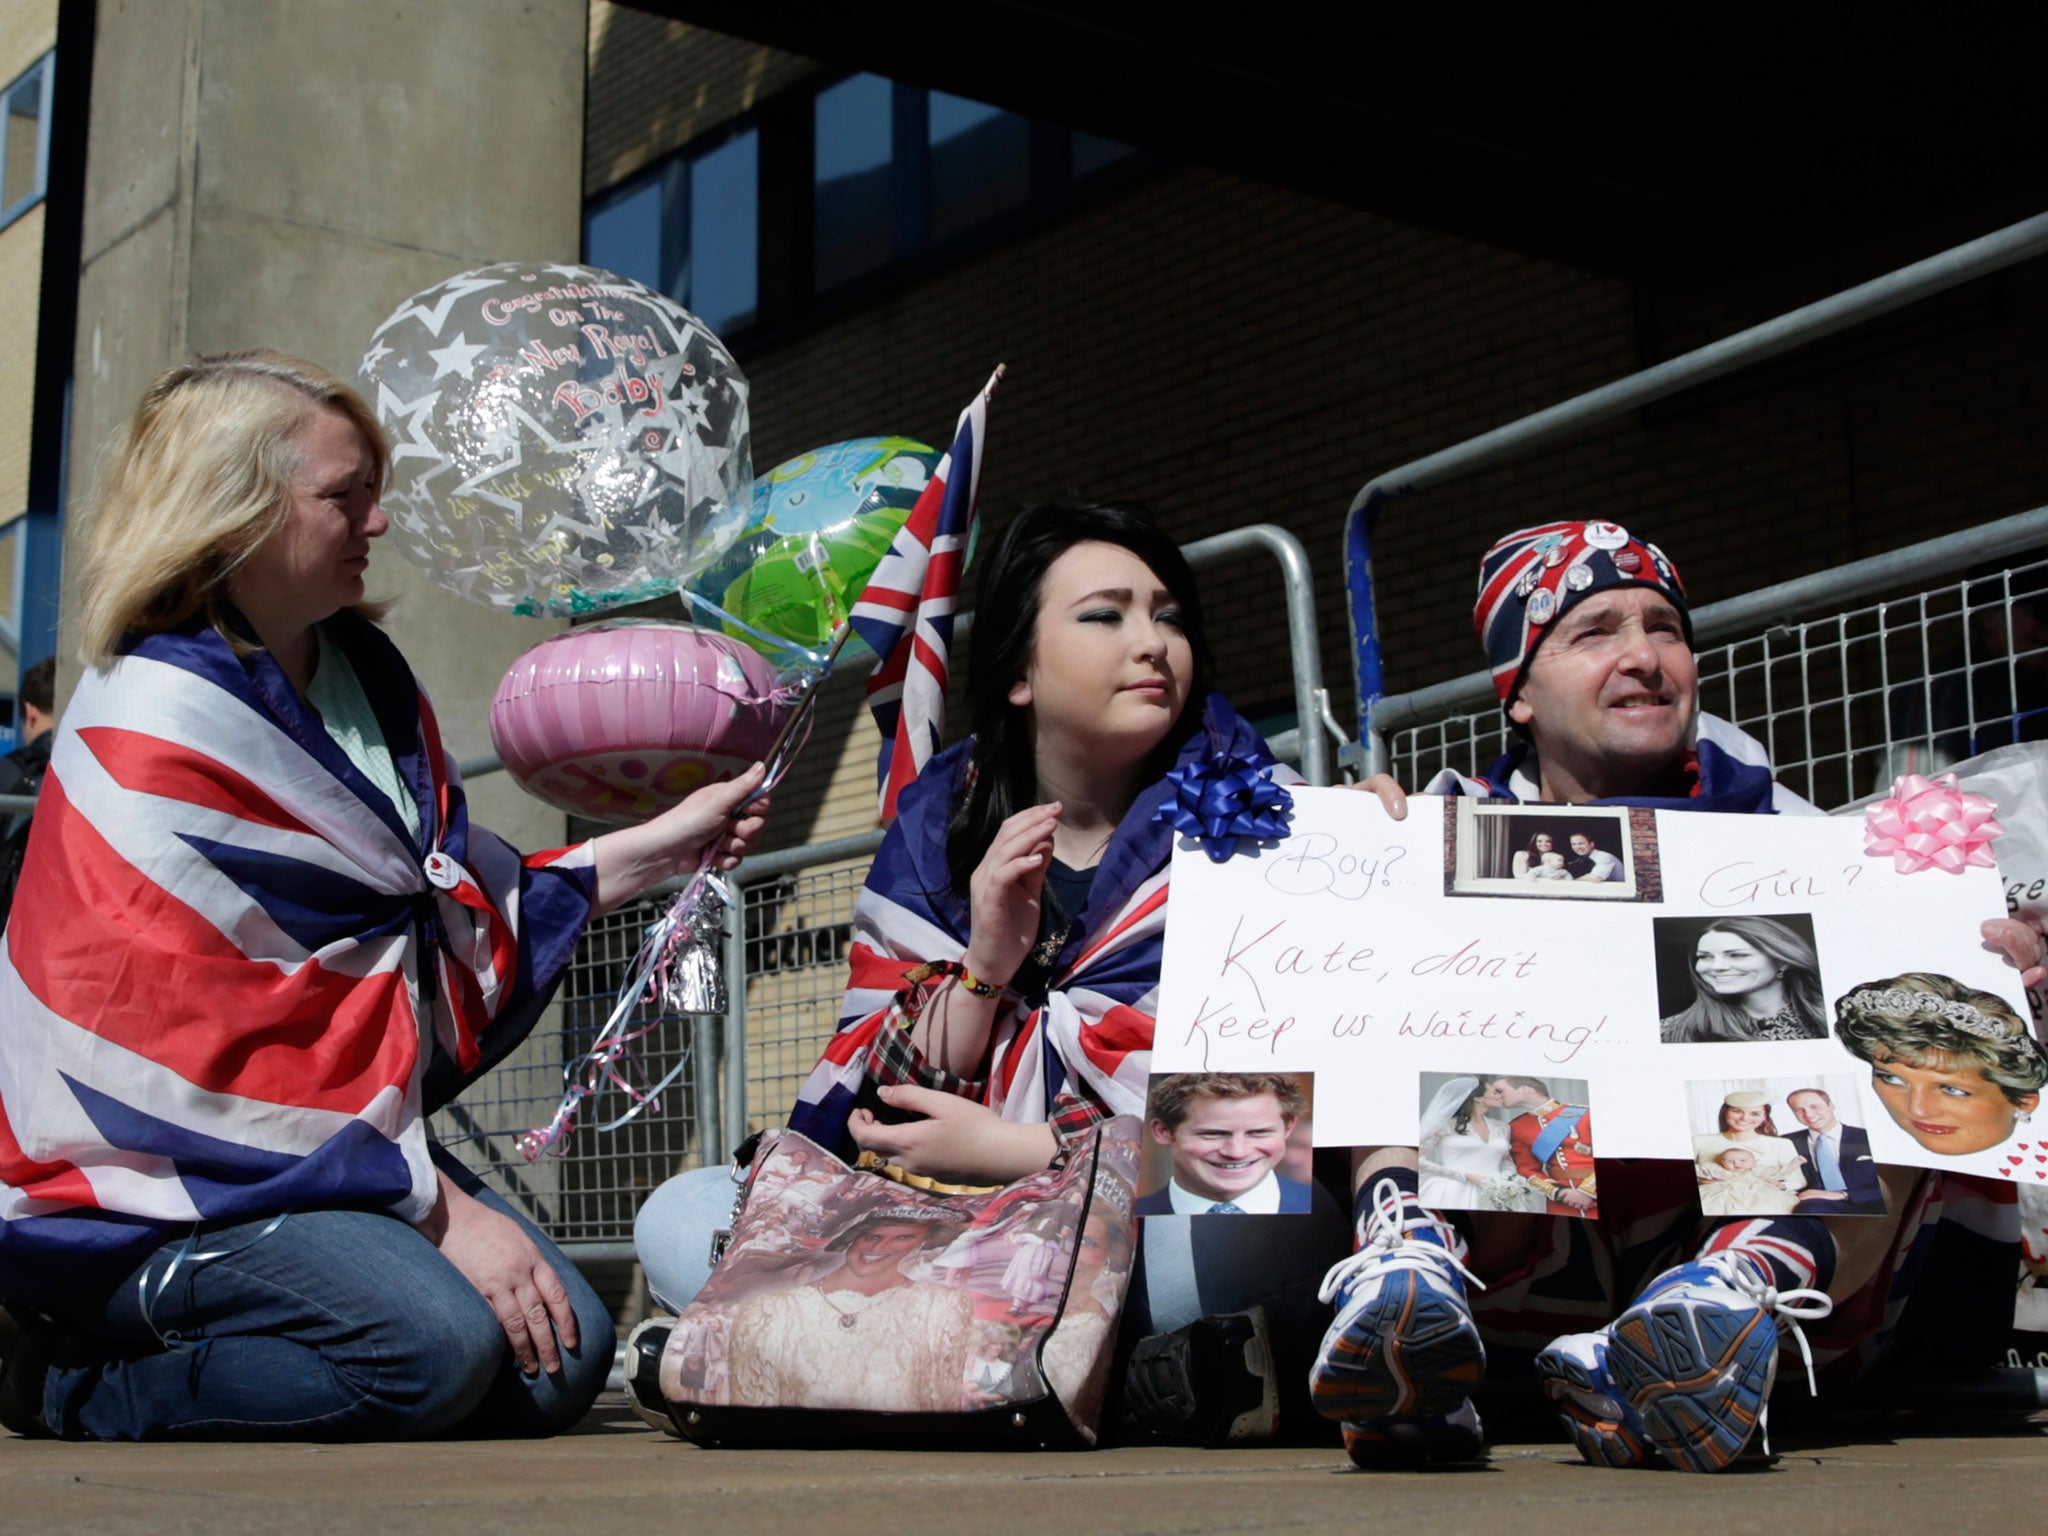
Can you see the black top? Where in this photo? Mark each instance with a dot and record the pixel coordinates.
(1069, 889)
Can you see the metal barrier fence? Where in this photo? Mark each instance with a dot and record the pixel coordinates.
(1883, 680)
(743, 1070)
(1844, 701)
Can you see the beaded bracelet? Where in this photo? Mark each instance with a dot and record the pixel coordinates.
(910, 999)
(972, 983)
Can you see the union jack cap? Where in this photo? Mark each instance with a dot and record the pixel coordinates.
(1533, 577)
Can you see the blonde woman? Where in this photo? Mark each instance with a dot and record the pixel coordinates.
(257, 940)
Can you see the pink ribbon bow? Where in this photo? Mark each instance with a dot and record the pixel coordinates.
(1930, 822)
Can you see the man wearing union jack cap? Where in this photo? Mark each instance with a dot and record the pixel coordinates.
(1589, 638)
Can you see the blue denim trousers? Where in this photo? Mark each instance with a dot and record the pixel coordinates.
(336, 1325)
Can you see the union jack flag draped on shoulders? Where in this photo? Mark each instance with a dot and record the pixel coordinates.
(235, 981)
(906, 613)
(1080, 1050)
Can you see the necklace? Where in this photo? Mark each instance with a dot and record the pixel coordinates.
(851, 1319)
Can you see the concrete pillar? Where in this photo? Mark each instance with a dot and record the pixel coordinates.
(283, 174)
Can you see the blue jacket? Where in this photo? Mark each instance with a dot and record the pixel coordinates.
(1859, 1172)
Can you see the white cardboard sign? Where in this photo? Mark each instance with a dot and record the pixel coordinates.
(1369, 951)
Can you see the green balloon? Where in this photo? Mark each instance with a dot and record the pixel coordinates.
(819, 526)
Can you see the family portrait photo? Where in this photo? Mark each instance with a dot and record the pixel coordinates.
(1227, 1144)
(1744, 979)
(1782, 1145)
(1599, 853)
(1506, 1142)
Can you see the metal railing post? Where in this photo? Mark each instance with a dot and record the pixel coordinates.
(1313, 744)
(732, 1076)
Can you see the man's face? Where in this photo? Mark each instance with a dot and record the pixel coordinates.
(1612, 692)
(1814, 1110)
(1581, 844)
(1509, 1095)
(1226, 1147)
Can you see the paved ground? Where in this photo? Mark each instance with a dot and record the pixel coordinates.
(616, 1478)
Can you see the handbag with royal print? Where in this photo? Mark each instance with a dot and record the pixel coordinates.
(849, 1307)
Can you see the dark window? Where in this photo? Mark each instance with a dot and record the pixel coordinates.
(1092, 152)
(690, 228)
(863, 178)
(980, 163)
(623, 234)
(725, 233)
(25, 139)
(853, 159)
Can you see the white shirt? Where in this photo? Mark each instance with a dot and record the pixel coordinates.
(1262, 1199)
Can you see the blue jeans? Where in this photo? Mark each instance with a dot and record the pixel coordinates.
(1188, 1266)
(337, 1325)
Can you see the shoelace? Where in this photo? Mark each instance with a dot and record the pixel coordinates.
(1386, 1241)
(1791, 1308)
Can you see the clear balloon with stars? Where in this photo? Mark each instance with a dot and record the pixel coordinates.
(562, 440)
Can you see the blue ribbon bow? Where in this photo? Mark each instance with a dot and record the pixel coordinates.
(1224, 798)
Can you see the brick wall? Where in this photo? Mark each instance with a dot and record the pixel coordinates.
(655, 84)
(1235, 353)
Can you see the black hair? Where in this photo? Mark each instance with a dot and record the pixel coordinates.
(39, 685)
(1002, 769)
(1461, 1122)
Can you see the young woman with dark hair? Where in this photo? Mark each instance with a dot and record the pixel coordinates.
(1007, 946)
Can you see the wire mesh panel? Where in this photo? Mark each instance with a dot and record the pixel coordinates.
(798, 929)
(590, 1189)
(1844, 703)
(1847, 702)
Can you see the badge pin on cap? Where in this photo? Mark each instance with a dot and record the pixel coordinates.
(1579, 577)
(1606, 535)
(1542, 607)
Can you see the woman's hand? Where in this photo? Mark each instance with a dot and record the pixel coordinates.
(2022, 945)
(1392, 795)
(1005, 894)
(961, 1142)
(631, 861)
(496, 1256)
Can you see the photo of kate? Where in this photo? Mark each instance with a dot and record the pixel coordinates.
(1738, 980)
(1505, 1142)
(1782, 1146)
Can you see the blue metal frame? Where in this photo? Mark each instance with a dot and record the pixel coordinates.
(47, 65)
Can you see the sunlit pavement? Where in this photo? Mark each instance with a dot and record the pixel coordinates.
(616, 1476)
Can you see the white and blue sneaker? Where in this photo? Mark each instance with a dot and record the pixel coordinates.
(1573, 1373)
(1403, 1344)
(1696, 1356)
(1403, 1444)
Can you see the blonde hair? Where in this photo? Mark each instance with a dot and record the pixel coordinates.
(199, 479)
